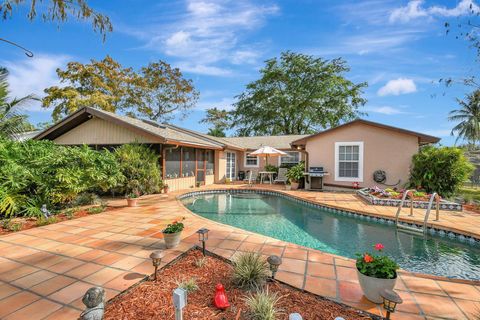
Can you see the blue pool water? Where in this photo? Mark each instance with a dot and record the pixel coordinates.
(295, 222)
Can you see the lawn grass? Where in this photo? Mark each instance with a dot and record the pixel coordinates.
(469, 192)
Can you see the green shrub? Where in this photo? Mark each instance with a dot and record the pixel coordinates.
(295, 173)
(33, 173)
(440, 169)
(43, 222)
(271, 168)
(189, 285)
(95, 210)
(16, 226)
(86, 198)
(70, 212)
(250, 270)
(262, 305)
(140, 167)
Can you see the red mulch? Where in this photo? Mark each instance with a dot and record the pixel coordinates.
(153, 299)
(472, 208)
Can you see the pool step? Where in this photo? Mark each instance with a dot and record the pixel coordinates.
(434, 197)
(409, 229)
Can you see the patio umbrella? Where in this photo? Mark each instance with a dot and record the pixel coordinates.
(267, 151)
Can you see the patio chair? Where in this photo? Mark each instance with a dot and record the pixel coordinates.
(281, 176)
(251, 177)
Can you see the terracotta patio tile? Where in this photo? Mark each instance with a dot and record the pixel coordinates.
(92, 255)
(20, 271)
(422, 285)
(34, 279)
(110, 258)
(272, 250)
(237, 236)
(50, 260)
(103, 276)
(409, 304)
(346, 274)
(345, 262)
(255, 239)
(70, 293)
(350, 291)
(224, 252)
(144, 268)
(294, 253)
(7, 290)
(460, 290)
(470, 308)
(229, 244)
(321, 286)
(65, 266)
(15, 302)
(250, 246)
(321, 270)
(293, 279)
(37, 310)
(84, 270)
(127, 263)
(124, 281)
(366, 305)
(438, 306)
(316, 256)
(406, 316)
(293, 265)
(65, 313)
(51, 285)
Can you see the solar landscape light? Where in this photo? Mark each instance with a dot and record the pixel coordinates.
(203, 237)
(390, 301)
(274, 262)
(156, 257)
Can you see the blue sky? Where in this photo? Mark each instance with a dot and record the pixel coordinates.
(398, 47)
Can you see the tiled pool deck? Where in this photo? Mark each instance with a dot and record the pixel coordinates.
(45, 271)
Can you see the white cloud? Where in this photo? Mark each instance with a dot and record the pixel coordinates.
(223, 103)
(33, 75)
(208, 70)
(208, 33)
(386, 110)
(415, 10)
(397, 87)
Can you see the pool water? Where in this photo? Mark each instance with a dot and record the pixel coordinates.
(291, 221)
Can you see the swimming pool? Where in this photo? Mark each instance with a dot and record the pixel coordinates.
(285, 219)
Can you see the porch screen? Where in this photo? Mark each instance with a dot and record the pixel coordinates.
(172, 163)
(210, 161)
(188, 162)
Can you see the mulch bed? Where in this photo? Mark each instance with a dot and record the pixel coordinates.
(153, 299)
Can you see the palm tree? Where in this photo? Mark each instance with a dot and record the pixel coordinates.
(12, 122)
(468, 118)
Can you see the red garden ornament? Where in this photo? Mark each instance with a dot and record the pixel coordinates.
(356, 185)
(220, 300)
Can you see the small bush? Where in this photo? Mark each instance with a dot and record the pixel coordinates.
(43, 222)
(295, 173)
(17, 226)
(189, 285)
(70, 213)
(200, 262)
(250, 270)
(95, 210)
(261, 305)
(86, 198)
(440, 169)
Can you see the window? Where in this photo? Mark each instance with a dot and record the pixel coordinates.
(251, 161)
(210, 161)
(349, 161)
(292, 158)
(188, 162)
(172, 162)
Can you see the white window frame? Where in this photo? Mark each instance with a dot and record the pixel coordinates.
(228, 172)
(250, 165)
(288, 151)
(360, 161)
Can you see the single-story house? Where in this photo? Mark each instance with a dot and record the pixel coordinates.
(353, 150)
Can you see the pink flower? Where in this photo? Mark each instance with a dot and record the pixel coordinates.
(379, 247)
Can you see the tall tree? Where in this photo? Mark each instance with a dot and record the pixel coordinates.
(219, 119)
(104, 84)
(297, 94)
(163, 91)
(12, 121)
(59, 11)
(468, 118)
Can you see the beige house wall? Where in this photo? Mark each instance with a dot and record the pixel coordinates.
(180, 183)
(97, 131)
(384, 149)
(261, 165)
(209, 179)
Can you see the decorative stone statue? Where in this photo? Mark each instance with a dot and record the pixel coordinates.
(94, 300)
(45, 211)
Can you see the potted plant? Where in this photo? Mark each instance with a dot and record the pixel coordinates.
(172, 233)
(288, 185)
(165, 188)
(295, 174)
(132, 198)
(228, 180)
(375, 273)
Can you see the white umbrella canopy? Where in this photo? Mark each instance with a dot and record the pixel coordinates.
(267, 151)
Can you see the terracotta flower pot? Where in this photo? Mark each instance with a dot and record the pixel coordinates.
(288, 187)
(372, 286)
(172, 239)
(294, 186)
(132, 202)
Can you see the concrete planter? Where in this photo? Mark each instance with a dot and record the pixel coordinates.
(372, 286)
(172, 239)
(294, 185)
(132, 202)
(288, 187)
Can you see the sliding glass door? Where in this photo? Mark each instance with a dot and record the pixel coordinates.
(231, 165)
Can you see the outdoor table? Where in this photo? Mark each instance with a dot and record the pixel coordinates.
(269, 174)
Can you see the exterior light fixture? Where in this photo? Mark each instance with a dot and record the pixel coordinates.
(274, 262)
(156, 257)
(203, 237)
(390, 301)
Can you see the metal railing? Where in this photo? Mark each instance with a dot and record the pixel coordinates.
(434, 197)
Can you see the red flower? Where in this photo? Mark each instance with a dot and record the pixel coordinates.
(367, 258)
(379, 246)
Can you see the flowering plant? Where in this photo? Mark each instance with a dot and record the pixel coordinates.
(377, 266)
(174, 227)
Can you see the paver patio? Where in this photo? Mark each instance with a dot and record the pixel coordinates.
(45, 271)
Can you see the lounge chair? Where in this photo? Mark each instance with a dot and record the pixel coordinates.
(251, 177)
(281, 176)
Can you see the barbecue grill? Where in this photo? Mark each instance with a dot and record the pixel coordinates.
(314, 178)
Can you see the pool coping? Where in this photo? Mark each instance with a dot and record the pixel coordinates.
(323, 206)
